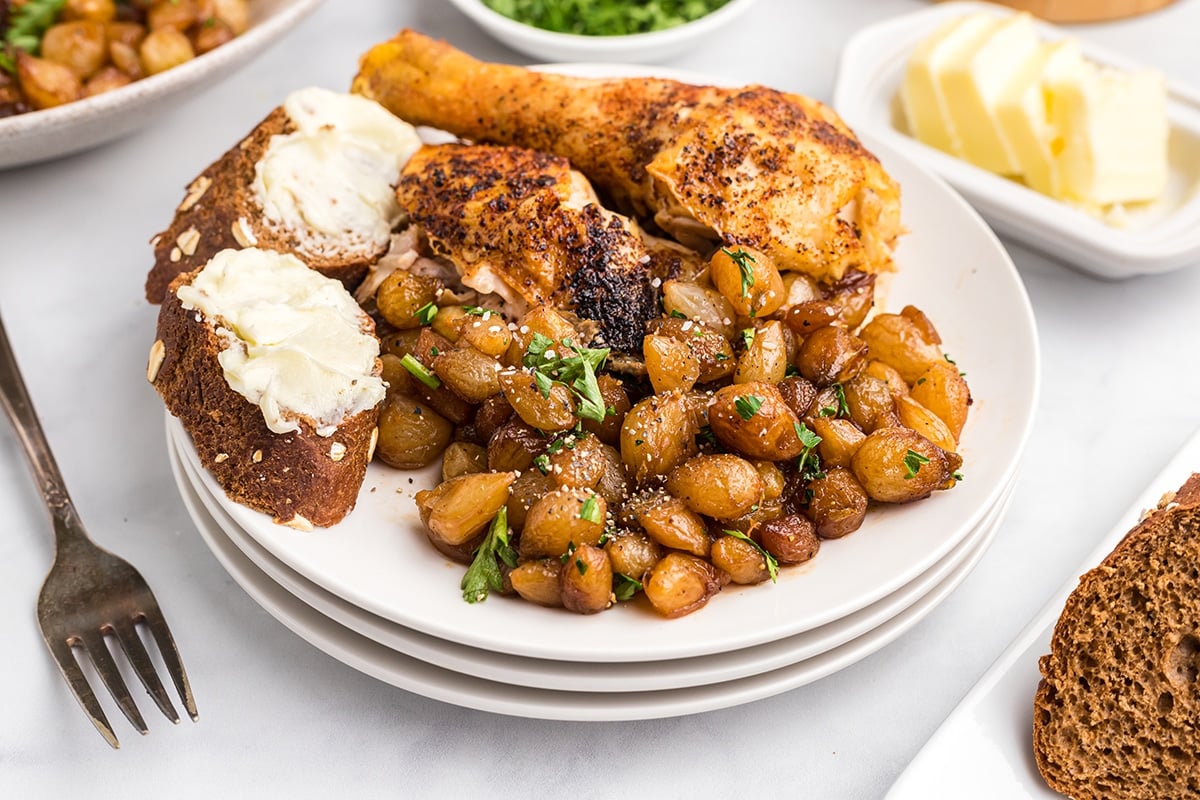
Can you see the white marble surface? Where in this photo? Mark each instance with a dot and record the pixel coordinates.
(278, 717)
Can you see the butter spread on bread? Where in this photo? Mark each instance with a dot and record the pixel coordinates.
(331, 179)
(273, 371)
(295, 342)
(315, 178)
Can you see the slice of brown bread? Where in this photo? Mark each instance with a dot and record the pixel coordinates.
(302, 479)
(1117, 713)
(220, 211)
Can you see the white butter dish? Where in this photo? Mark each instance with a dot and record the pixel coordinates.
(1154, 237)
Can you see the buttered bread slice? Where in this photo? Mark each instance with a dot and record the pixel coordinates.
(274, 371)
(316, 178)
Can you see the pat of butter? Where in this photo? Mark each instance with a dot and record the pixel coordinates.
(1023, 112)
(295, 342)
(973, 81)
(1114, 135)
(331, 182)
(921, 96)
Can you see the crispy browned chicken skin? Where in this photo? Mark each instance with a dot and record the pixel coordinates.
(774, 172)
(525, 225)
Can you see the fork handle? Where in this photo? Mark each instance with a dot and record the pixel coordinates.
(17, 404)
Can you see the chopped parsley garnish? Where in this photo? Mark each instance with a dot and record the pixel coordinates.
(484, 573)
(604, 17)
(958, 476)
(590, 511)
(839, 408)
(720, 357)
(747, 405)
(772, 562)
(27, 23)
(542, 462)
(476, 311)
(625, 587)
(426, 313)
(570, 552)
(420, 371)
(912, 464)
(582, 567)
(577, 371)
(809, 464)
(743, 261)
(677, 314)
(748, 337)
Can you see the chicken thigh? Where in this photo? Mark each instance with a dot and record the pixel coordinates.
(777, 173)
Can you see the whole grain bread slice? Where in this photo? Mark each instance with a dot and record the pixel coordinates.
(1117, 713)
(220, 211)
(301, 479)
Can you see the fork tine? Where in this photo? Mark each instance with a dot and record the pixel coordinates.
(135, 651)
(153, 618)
(70, 669)
(103, 661)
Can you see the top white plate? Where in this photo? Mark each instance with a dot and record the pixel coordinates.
(1162, 236)
(951, 266)
(985, 747)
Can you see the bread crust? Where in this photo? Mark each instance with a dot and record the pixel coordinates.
(1117, 712)
(219, 211)
(298, 478)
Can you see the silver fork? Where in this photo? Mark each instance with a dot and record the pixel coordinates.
(90, 594)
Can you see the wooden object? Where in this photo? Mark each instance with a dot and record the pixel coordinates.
(1086, 10)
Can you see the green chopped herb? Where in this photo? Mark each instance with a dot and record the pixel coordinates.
(577, 371)
(544, 384)
(604, 537)
(476, 311)
(720, 357)
(626, 587)
(958, 476)
(912, 464)
(743, 261)
(747, 405)
(420, 371)
(772, 562)
(27, 24)
(542, 462)
(792, 371)
(484, 573)
(677, 314)
(426, 313)
(948, 358)
(570, 552)
(604, 17)
(839, 407)
(590, 511)
(582, 567)
(920, 381)
(809, 464)
(748, 337)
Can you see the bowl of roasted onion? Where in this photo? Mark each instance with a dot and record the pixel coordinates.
(78, 73)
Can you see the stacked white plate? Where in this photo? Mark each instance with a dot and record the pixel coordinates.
(374, 593)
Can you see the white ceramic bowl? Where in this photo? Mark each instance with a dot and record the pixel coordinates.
(644, 48)
(41, 135)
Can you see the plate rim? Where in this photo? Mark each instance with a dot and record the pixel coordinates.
(478, 662)
(511, 700)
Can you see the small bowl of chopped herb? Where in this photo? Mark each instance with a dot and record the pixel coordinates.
(633, 31)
